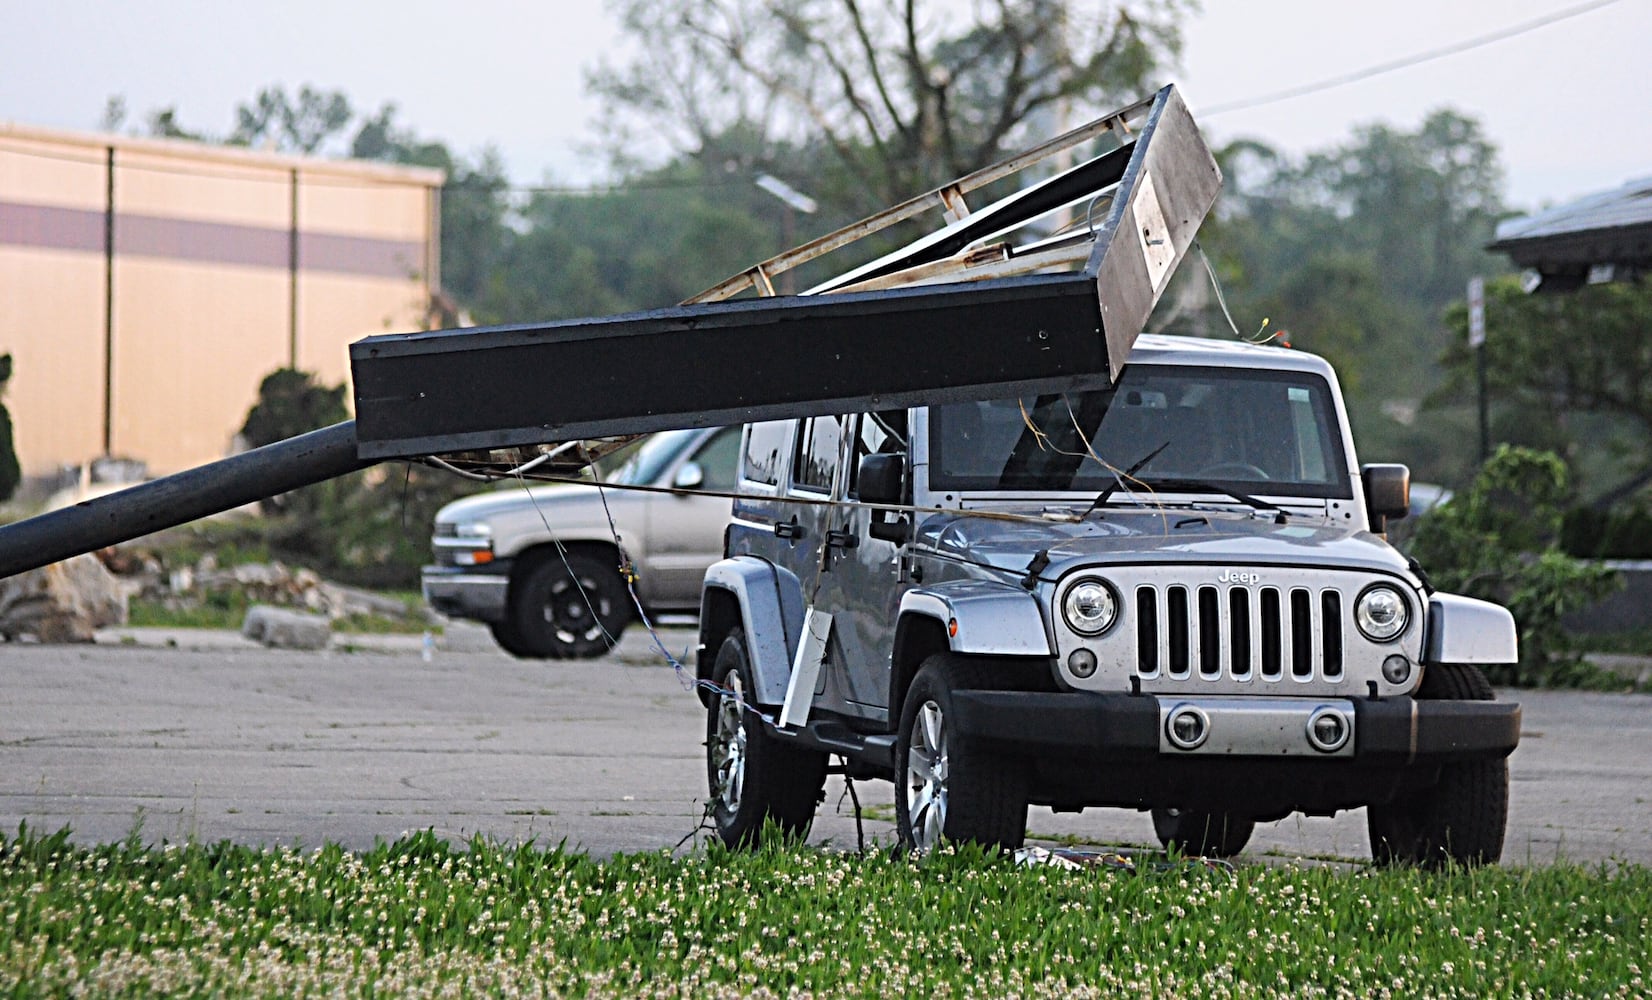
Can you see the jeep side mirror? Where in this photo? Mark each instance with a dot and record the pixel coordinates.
(1387, 493)
(689, 476)
(881, 479)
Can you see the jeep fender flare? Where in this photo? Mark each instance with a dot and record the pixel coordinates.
(993, 619)
(764, 601)
(1468, 630)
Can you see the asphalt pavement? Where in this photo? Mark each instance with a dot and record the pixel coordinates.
(199, 735)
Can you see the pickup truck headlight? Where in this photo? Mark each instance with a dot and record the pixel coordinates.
(1381, 613)
(1090, 607)
(468, 543)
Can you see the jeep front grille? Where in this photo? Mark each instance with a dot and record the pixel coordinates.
(1238, 633)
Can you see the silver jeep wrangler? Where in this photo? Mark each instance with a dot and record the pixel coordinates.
(1171, 594)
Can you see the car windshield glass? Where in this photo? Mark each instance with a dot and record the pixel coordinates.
(651, 458)
(1257, 432)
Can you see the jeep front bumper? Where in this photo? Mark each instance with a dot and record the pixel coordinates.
(1391, 732)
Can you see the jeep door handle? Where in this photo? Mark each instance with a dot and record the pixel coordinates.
(844, 539)
(789, 529)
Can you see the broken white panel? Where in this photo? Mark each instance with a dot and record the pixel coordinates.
(1157, 250)
(811, 650)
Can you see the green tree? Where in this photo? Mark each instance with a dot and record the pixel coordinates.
(1357, 251)
(1499, 541)
(11, 474)
(1569, 372)
(898, 95)
(301, 123)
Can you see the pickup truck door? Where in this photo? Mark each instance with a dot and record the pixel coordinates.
(685, 532)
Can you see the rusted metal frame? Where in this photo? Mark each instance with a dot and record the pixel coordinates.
(1098, 175)
(1118, 123)
(996, 260)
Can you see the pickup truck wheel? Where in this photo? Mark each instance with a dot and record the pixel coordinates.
(946, 787)
(758, 784)
(509, 640)
(1462, 818)
(1197, 833)
(567, 606)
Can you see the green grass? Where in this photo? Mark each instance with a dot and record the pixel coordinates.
(421, 917)
(227, 609)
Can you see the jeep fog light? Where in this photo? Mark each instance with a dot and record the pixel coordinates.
(1327, 729)
(1090, 607)
(1381, 613)
(1187, 727)
(1396, 669)
(1081, 662)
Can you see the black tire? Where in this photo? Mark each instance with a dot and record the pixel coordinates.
(946, 787)
(1461, 818)
(566, 606)
(1197, 833)
(504, 633)
(758, 785)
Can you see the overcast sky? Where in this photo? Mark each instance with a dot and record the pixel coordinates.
(1569, 104)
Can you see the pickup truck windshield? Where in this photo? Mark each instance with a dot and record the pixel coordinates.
(1260, 432)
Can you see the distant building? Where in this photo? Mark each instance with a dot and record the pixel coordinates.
(1600, 237)
(147, 286)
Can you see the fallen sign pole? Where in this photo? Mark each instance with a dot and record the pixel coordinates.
(990, 303)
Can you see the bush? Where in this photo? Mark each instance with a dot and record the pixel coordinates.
(370, 528)
(1500, 542)
(1607, 534)
(10, 473)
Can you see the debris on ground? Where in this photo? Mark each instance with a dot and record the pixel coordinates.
(64, 602)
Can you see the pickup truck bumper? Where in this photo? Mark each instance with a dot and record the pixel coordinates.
(464, 592)
(1392, 732)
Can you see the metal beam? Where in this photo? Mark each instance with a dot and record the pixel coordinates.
(784, 356)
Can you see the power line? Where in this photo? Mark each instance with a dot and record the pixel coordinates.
(1379, 69)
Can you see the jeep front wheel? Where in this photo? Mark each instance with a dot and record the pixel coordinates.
(755, 780)
(1461, 817)
(947, 787)
(1197, 833)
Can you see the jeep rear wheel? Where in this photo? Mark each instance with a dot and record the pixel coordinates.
(1462, 817)
(754, 779)
(948, 787)
(566, 605)
(1197, 833)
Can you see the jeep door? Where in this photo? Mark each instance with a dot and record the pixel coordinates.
(861, 582)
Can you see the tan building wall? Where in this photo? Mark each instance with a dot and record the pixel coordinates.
(206, 298)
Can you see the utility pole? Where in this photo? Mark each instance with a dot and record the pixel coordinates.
(1477, 341)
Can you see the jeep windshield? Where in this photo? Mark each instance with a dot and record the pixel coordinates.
(1160, 427)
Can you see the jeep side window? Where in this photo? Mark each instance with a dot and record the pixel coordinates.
(882, 432)
(764, 442)
(817, 450)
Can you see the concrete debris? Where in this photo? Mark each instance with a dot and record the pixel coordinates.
(272, 583)
(284, 628)
(64, 602)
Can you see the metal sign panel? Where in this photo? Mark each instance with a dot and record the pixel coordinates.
(969, 324)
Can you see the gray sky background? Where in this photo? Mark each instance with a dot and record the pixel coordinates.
(1569, 104)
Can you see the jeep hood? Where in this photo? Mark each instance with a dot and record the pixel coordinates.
(1156, 536)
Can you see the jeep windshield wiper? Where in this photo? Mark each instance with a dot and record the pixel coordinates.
(1119, 478)
(1201, 486)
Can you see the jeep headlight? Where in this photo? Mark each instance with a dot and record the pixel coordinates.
(472, 529)
(1090, 607)
(1381, 613)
